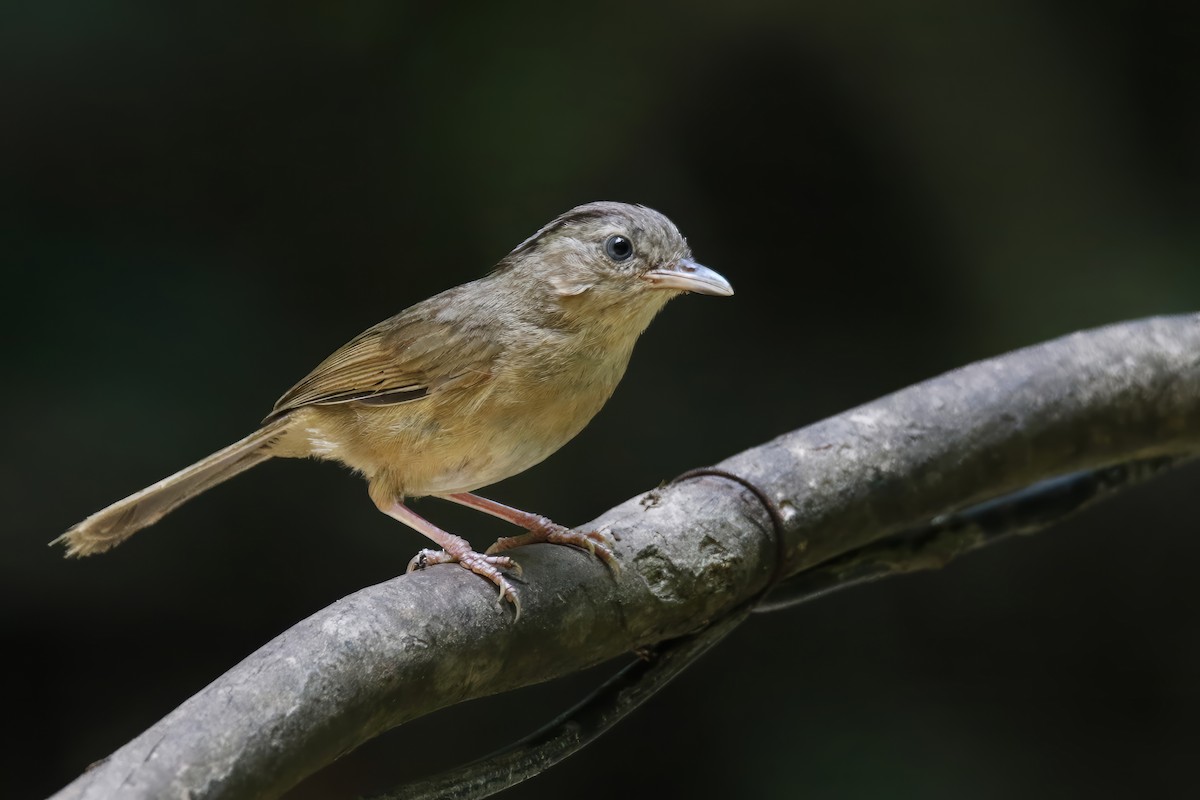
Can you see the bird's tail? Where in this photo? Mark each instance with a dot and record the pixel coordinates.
(109, 527)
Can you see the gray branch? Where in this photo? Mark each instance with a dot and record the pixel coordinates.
(928, 547)
(690, 552)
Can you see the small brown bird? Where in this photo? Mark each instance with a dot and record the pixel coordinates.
(467, 388)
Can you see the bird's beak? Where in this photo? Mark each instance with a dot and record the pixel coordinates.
(688, 276)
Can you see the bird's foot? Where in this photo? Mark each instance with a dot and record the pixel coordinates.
(540, 528)
(594, 542)
(487, 566)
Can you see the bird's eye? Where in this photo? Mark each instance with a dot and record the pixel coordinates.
(618, 248)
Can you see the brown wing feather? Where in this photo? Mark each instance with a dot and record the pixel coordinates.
(431, 347)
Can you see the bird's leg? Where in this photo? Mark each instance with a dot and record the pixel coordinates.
(540, 529)
(455, 549)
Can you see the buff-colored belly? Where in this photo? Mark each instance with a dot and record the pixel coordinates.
(448, 443)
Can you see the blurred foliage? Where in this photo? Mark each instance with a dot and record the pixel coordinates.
(198, 201)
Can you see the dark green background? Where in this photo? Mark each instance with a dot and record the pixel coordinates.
(200, 201)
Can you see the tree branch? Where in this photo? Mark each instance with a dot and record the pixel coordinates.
(690, 552)
(930, 547)
(935, 545)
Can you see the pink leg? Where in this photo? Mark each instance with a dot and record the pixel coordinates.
(455, 549)
(540, 529)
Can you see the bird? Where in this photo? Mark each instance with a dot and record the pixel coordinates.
(471, 386)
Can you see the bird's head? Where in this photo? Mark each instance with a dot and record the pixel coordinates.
(608, 258)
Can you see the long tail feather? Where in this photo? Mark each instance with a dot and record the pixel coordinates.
(109, 527)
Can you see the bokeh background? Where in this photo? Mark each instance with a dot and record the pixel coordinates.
(201, 200)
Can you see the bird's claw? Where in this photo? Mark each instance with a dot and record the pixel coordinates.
(485, 565)
(423, 559)
(596, 543)
(507, 592)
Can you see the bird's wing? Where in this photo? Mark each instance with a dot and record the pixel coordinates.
(431, 347)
